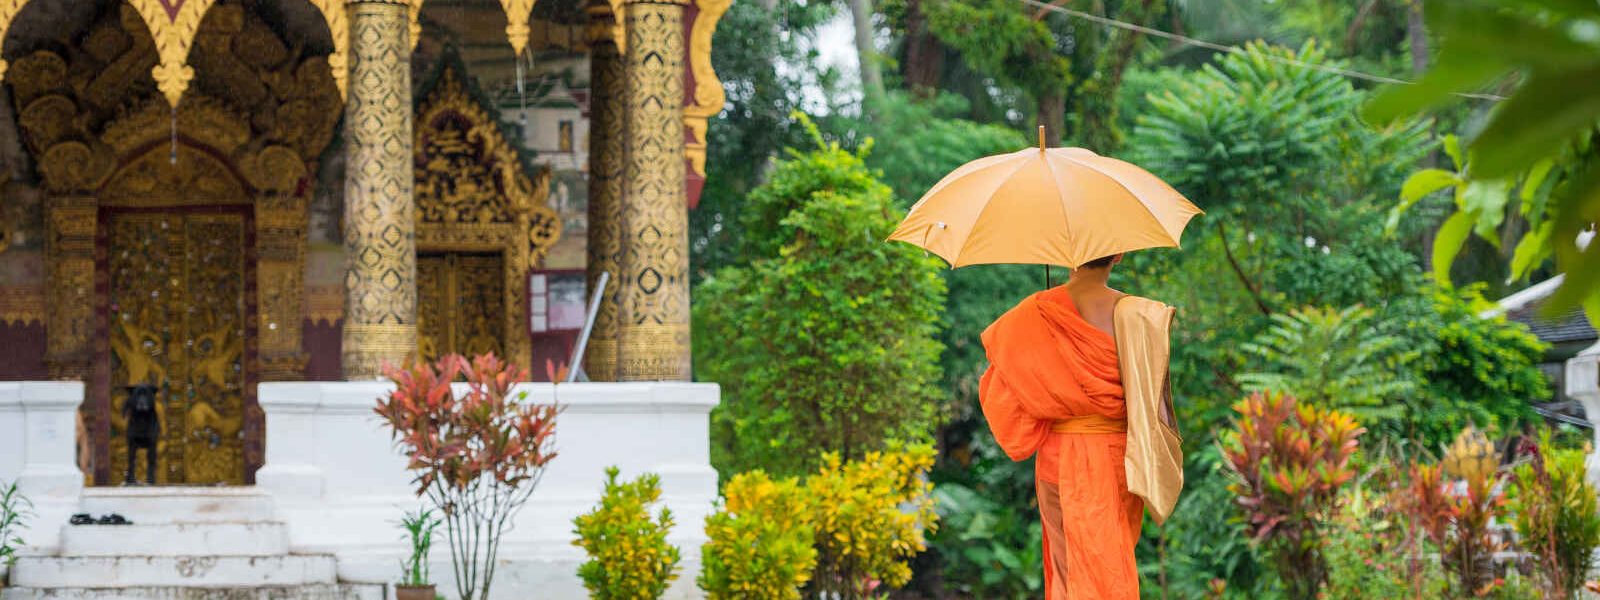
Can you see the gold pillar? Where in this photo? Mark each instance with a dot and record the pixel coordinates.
(607, 83)
(69, 250)
(653, 333)
(380, 323)
(280, 285)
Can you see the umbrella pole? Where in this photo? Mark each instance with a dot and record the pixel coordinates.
(1047, 277)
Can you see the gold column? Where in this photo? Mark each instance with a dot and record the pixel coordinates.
(280, 288)
(380, 323)
(69, 293)
(607, 84)
(653, 333)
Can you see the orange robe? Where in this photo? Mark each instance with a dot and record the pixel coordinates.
(1054, 390)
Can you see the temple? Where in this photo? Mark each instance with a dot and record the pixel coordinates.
(254, 205)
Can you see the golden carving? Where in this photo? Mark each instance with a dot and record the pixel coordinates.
(163, 266)
(173, 28)
(460, 305)
(474, 195)
(22, 305)
(280, 271)
(333, 12)
(324, 304)
(8, 13)
(708, 94)
(652, 338)
(152, 178)
(413, 21)
(69, 285)
(607, 80)
(379, 217)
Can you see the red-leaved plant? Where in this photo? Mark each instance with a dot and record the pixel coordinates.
(477, 456)
(1290, 460)
(1457, 520)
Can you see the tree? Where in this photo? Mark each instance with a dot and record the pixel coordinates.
(827, 335)
(1335, 359)
(1539, 140)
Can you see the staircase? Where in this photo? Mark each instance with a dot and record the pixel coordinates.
(185, 543)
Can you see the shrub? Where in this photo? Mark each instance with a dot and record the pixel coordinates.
(1556, 516)
(872, 515)
(1291, 459)
(478, 457)
(419, 527)
(989, 549)
(1457, 518)
(1371, 555)
(827, 334)
(1331, 359)
(759, 541)
(629, 557)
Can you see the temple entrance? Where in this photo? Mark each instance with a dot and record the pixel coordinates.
(175, 302)
(460, 304)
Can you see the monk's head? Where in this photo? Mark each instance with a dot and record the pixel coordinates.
(1102, 263)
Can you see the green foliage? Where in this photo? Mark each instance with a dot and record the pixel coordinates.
(1456, 520)
(1474, 370)
(1290, 460)
(872, 515)
(990, 550)
(15, 510)
(1541, 138)
(1333, 359)
(1557, 516)
(419, 527)
(629, 556)
(759, 541)
(1196, 547)
(1371, 555)
(826, 336)
(1001, 39)
(918, 142)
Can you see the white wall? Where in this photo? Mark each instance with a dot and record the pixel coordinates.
(38, 450)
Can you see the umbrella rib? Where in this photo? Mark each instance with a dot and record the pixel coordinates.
(1124, 186)
(988, 202)
(958, 174)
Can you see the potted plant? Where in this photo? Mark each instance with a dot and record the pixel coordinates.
(414, 581)
(14, 512)
(477, 456)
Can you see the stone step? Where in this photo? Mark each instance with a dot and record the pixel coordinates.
(176, 539)
(302, 592)
(154, 505)
(172, 571)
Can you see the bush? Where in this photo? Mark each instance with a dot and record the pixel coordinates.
(989, 549)
(477, 457)
(759, 541)
(1370, 553)
(1332, 359)
(1456, 521)
(1556, 516)
(1291, 459)
(872, 515)
(629, 557)
(827, 337)
(15, 509)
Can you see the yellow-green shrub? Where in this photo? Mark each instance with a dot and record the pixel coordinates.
(871, 516)
(629, 557)
(760, 540)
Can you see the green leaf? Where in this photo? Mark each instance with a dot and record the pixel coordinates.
(1543, 115)
(1434, 89)
(1426, 181)
(1452, 149)
(1487, 201)
(1447, 244)
(1531, 250)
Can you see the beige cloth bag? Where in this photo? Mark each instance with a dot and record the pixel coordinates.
(1154, 459)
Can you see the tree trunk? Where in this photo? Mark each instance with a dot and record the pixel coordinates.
(1052, 115)
(1418, 33)
(924, 56)
(867, 55)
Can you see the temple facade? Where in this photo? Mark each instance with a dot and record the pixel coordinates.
(254, 205)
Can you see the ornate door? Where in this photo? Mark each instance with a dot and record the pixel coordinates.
(177, 319)
(460, 304)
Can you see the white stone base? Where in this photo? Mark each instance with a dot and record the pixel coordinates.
(304, 592)
(171, 571)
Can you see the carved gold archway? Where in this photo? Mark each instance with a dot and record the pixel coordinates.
(474, 194)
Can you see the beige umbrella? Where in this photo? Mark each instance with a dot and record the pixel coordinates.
(1049, 206)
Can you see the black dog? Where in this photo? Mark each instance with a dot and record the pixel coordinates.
(144, 428)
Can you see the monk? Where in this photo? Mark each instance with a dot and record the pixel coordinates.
(1098, 420)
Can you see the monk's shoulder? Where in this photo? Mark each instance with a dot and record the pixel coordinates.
(1145, 309)
(1023, 314)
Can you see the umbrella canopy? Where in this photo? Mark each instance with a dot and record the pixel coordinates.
(1056, 206)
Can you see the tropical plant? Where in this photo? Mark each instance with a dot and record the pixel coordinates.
(1332, 359)
(419, 527)
(15, 510)
(871, 516)
(1539, 141)
(1556, 514)
(629, 556)
(477, 457)
(759, 542)
(1456, 519)
(989, 549)
(827, 336)
(1370, 555)
(1290, 459)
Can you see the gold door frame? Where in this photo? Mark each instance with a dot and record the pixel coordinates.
(474, 194)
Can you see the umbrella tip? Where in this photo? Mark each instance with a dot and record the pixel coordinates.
(1041, 138)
